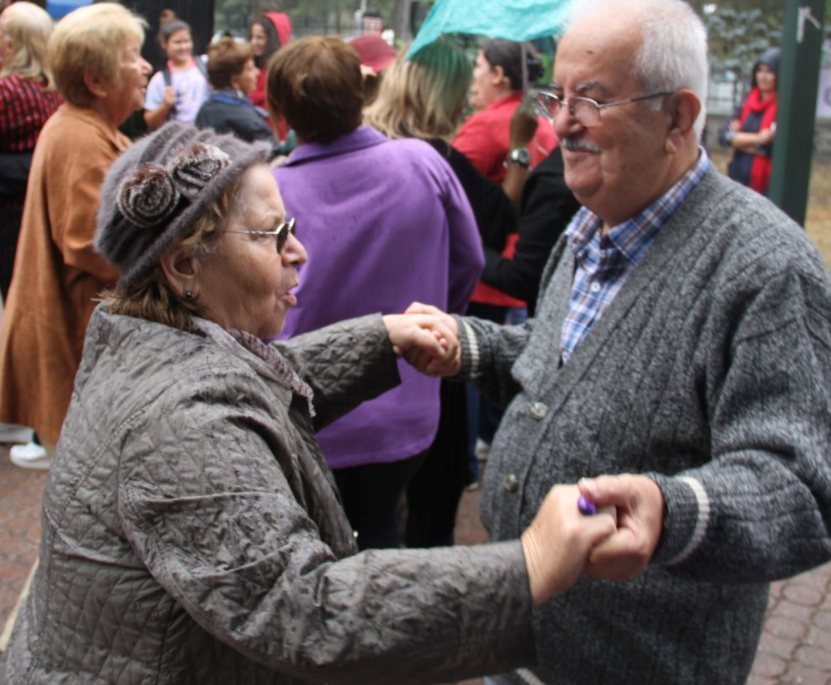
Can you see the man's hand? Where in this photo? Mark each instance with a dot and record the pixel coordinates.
(426, 342)
(640, 515)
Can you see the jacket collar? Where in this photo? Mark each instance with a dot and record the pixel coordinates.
(362, 137)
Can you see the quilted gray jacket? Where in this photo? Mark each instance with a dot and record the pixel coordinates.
(192, 532)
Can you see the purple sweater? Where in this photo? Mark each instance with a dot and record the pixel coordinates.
(385, 222)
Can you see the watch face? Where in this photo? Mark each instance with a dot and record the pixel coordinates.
(520, 156)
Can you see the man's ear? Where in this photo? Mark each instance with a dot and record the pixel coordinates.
(181, 269)
(684, 107)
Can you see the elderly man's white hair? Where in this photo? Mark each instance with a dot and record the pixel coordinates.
(673, 54)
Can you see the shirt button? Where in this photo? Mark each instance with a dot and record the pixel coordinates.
(538, 410)
(511, 482)
(595, 287)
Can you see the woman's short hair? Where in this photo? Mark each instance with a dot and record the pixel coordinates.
(151, 297)
(315, 83)
(91, 39)
(27, 27)
(168, 28)
(422, 97)
(226, 59)
(272, 43)
(508, 55)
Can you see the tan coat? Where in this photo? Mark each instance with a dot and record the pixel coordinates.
(57, 274)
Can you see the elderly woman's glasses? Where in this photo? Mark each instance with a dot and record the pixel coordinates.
(585, 110)
(281, 233)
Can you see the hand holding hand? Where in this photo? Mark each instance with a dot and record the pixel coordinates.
(425, 341)
(640, 514)
(558, 542)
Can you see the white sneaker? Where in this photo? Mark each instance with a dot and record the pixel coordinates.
(482, 449)
(12, 433)
(30, 456)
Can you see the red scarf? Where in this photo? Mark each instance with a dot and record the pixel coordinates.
(760, 171)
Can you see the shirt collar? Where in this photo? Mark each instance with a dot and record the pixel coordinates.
(634, 236)
(361, 137)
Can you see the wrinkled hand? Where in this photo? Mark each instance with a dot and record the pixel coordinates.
(558, 542)
(169, 95)
(450, 365)
(424, 340)
(524, 124)
(640, 515)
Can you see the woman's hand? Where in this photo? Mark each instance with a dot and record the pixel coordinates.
(559, 541)
(426, 341)
(640, 515)
(451, 364)
(524, 124)
(169, 96)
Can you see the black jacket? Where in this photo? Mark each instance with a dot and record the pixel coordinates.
(545, 210)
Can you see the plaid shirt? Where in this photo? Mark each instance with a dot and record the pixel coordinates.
(605, 262)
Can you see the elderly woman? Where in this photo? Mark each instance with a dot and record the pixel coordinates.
(386, 222)
(192, 530)
(95, 55)
(27, 100)
(233, 75)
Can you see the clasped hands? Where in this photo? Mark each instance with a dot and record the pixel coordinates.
(561, 543)
(427, 338)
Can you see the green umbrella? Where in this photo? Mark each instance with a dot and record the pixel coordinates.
(518, 20)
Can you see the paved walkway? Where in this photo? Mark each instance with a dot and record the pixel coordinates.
(795, 648)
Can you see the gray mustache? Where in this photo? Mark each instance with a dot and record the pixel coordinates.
(578, 145)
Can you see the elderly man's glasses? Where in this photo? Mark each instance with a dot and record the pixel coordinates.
(585, 110)
(281, 233)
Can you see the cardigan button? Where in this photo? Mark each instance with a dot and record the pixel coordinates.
(511, 483)
(538, 410)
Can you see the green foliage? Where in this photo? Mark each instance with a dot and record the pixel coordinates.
(737, 38)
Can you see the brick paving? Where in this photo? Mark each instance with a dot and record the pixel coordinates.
(795, 648)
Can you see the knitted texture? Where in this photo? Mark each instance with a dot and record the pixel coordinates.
(155, 191)
(712, 368)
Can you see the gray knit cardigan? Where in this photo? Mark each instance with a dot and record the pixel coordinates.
(710, 367)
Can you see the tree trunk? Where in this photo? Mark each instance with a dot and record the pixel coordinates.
(401, 21)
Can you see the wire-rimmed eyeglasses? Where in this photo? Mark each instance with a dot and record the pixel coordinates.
(585, 110)
(281, 233)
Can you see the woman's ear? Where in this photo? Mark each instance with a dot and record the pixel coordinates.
(181, 269)
(95, 84)
(498, 75)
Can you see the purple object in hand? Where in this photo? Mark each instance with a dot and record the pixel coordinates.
(586, 506)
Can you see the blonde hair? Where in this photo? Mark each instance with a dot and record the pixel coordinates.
(151, 297)
(27, 27)
(91, 39)
(422, 97)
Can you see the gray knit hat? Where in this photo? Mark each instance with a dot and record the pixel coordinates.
(154, 192)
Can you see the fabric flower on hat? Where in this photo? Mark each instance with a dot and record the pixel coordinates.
(194, 167)
(148, 196)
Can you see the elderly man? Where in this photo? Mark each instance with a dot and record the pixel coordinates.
(683, 331)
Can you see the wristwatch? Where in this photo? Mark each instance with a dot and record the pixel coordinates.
(520, 156)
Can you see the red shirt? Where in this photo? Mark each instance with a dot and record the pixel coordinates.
(484, 139)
